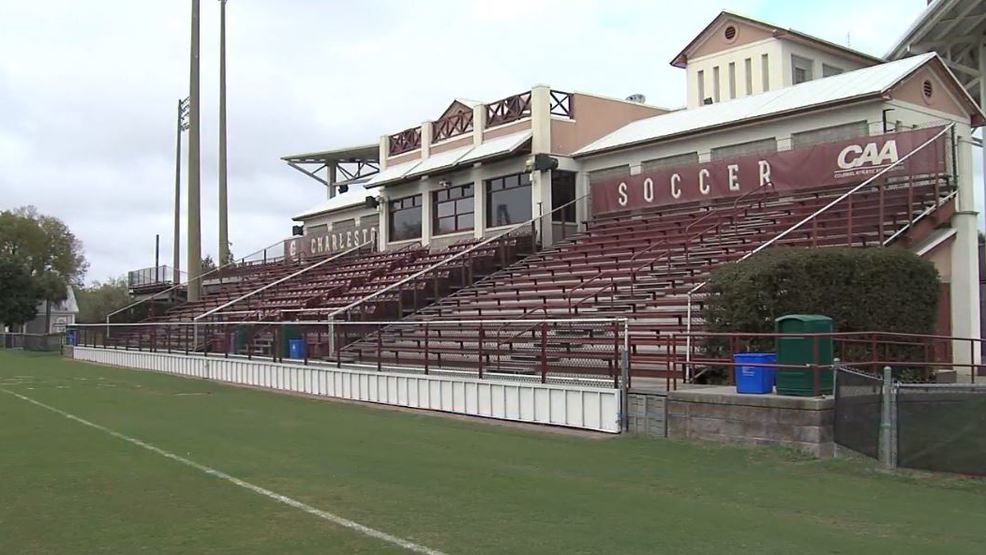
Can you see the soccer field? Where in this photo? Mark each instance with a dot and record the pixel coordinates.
(105, 460)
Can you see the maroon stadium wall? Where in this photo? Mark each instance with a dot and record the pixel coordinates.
(836, 163)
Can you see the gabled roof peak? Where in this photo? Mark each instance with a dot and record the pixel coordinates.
(724, 17)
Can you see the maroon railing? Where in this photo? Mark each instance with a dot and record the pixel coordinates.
(405, 141)
(508, 109)
(916, 357)
(586, 349)
(451, 125)
(562, 104)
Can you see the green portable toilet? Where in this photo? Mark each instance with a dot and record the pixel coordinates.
(800, 351)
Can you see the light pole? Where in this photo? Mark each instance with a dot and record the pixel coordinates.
(223, 208)
(182, 126)
(194, 169)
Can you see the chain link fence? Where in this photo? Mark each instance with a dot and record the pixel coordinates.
(941, 427)
(32, 342)
(923, 426)
(858, 405)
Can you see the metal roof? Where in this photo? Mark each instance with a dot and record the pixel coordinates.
(356, 153)
(392, 173)
(439, 161)
(444, 161)
(355, 196)
(495, 147)
(853, 85)
(954, 29)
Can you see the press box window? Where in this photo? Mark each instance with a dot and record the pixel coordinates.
(452, 209)
(405, 218)
(508, 200)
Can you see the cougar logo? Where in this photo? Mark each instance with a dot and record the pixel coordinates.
(854, 156)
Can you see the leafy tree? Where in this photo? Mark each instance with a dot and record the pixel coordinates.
(46, 248)
(101, 298)
(18, 294)
(208, 264)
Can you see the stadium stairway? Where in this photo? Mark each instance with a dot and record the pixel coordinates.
(640, 266)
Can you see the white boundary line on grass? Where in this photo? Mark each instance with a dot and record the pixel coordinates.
(325, 515)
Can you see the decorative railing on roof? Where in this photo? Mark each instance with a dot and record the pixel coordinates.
(451, 125)
(500, 112)
(508, 109)
(405, 141)
(562, 104)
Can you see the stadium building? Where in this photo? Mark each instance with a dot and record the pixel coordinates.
(754, 92)
(550, 205)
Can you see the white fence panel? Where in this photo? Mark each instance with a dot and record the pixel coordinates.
(562, 405)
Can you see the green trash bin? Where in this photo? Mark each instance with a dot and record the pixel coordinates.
(800, 351)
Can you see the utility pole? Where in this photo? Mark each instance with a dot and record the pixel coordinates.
(194, 169)
(157, 259)
(223, 208)
(176, 255)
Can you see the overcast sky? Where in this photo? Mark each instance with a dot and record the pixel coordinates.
(88, 91)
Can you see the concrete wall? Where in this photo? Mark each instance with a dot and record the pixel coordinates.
(720, 414)
(646, 414)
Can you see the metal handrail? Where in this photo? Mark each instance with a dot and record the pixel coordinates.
(190, 280)
(812, 216)
(344, 323)
(455, 256)
(612, 283)
(924, 213)
(688, 238)
(304, 270)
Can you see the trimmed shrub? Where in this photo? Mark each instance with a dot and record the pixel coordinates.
(861, 289)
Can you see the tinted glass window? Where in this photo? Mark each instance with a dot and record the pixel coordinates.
(508, 200)
(452, 209)
(405, 218)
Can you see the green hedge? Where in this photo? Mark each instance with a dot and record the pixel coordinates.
(861, 289)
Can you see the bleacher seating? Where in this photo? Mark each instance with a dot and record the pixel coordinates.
(280, 290)
(640, 266)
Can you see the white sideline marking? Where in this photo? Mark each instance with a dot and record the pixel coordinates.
(325, 515)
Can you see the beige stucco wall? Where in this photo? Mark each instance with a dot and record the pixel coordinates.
(507, 129)
(715, 41)
(944, 97)
(736, 55)
(595, 117)
(451, 144)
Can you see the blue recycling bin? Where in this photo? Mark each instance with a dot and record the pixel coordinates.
(754, 379)
(71, 337)
(296, 348)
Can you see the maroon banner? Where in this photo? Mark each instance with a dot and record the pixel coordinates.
(838, 163)
(344, 236)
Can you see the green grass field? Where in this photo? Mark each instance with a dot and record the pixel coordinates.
(452, 485)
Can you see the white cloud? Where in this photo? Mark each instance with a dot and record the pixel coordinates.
(87, 99)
